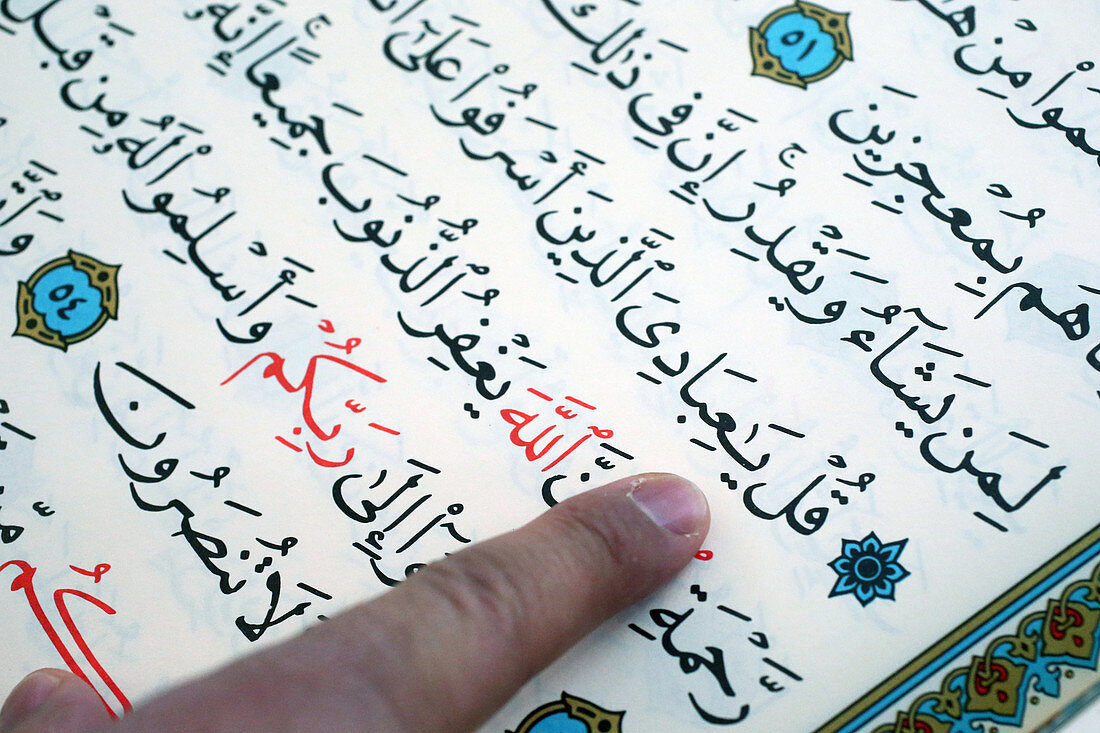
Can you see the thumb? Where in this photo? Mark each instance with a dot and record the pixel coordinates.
(449, 646)
(52, 701)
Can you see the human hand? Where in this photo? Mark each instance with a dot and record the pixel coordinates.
(442, 651)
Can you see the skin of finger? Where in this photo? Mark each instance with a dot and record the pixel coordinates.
(447, 648)
(31, 691)
(71, 707)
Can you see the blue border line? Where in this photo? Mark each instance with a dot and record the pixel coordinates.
(973, 638)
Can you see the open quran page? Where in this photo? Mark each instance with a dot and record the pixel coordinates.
(297, 297)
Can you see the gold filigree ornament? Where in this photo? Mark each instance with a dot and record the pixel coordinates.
(567, 714)
(800, 43)
(67, 300)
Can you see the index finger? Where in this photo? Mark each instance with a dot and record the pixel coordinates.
(448, 647)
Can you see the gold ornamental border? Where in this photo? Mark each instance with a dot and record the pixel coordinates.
(972, 631)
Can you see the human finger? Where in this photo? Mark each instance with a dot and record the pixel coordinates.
(449, 646)
(54, 701)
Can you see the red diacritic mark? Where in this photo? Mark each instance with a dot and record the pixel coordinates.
(275, 369)
(95, 573)
(25, 582)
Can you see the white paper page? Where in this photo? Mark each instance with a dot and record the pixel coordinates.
(462, 260)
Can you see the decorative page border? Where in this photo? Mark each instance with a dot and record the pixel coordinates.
(994, 687)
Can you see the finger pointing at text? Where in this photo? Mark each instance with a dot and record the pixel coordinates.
(442, 651)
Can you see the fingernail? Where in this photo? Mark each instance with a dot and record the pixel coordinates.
(672, 502)
(28, 696)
